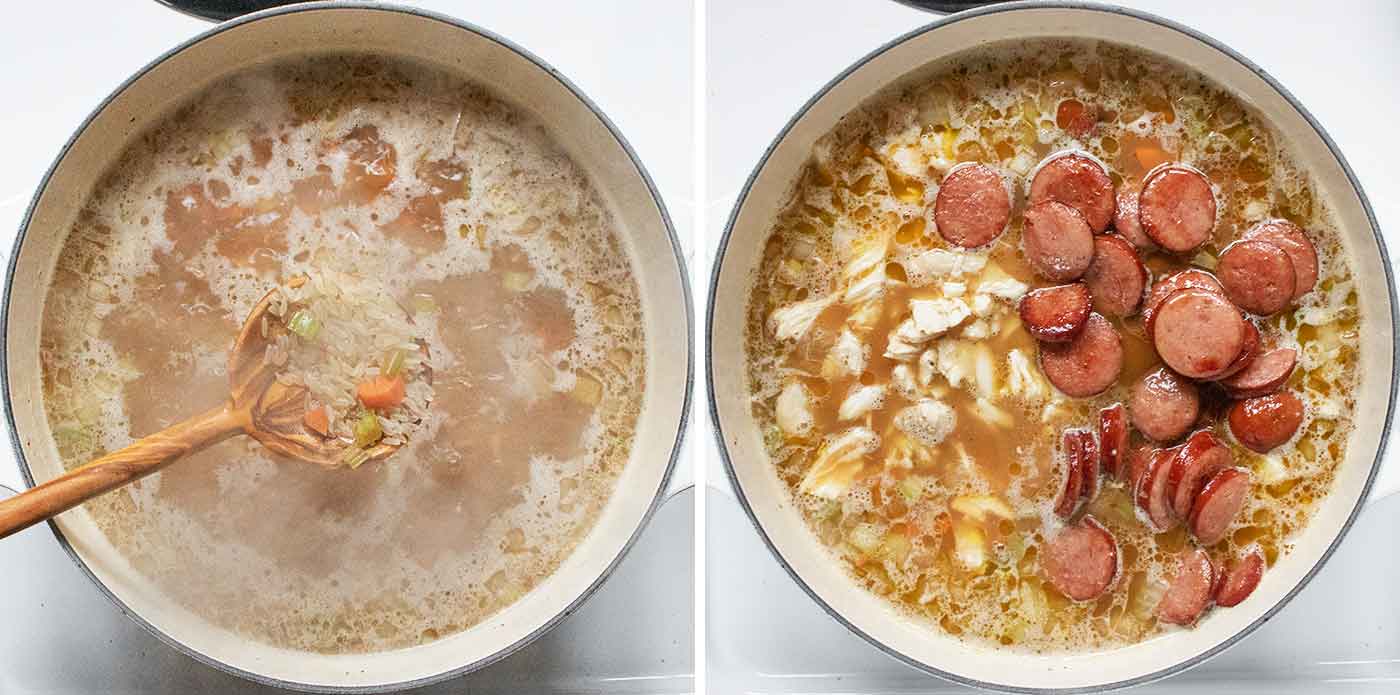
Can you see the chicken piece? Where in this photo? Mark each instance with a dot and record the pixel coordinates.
(794, 413)
(928, 422)
(838, 462)
(861, 400)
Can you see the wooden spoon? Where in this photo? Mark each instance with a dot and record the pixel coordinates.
(259, 405)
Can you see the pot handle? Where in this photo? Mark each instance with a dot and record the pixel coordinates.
(221, 10)
(947, 6)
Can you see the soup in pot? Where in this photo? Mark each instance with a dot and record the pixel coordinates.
(467, 266)
(1054, 346)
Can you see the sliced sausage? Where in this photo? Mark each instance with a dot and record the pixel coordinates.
(1153, 502)
(1073, 488)
(1177, 207)
(1257, 275)
(1056, 314)
(1201, 457)
(1248, 351)
(1268, 372)
(1136, 467)
(1198, 333)
(1081, 561)
(1188, 595)
(1219, 502)
(1163, 405)
(1057, 242)
(1113, 439)
(1189, 278)
(1087, 451)
(1125, 220)
(1116, 276)
(1262, 423)
(973, 206)
(1076, 180)
(1240, 580)
(1088, 364)
(1294, 242)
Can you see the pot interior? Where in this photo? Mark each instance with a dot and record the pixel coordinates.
(516, 78)
(767, 498)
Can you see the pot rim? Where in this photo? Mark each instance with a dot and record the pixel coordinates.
(658, 497)
(1021, 5)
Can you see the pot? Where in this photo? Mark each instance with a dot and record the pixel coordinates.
(766, 498)
(517, 77)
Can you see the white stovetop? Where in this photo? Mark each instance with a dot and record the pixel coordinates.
(765, 59)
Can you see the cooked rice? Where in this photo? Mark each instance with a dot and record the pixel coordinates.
(360, 323)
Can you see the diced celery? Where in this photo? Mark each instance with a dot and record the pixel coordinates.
(911, 488)
(367, 430)
(865, 537)
(304, 325)
(393, 361)
(355, 457)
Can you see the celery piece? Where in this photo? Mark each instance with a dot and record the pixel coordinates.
(367, 430)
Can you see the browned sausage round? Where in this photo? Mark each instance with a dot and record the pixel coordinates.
(1295, 243)
(1086, 365)
(1151, 494)
(1201, 457)
(1198, 333)
(1248, 351)
(1240, 580)
(1113, 439)
(1078, 181)
(1056, 314)
(1177, 207)
(1265, 422)
(1257, 275)
(1163, 405)
(1125, 220)
(1191, 277)
(972, 207)
(1057, 242)
(1268, 372)
(1087, 450)
(1188, 595)
(1219, 502)
(1073, 488)
(1116, 277)
(1081, 561)
(1136, 467)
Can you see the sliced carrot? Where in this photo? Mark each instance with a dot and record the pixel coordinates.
(1149, 157)
(381, 392)
(318, 421)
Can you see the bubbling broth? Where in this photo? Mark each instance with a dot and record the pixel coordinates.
(930, 466)
(484, 232)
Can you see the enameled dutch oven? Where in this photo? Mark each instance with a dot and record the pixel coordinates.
(513, 74)
(766, 499)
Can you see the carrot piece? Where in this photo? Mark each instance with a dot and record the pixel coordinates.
(381, 392)
(1149, 157)
(318, 421)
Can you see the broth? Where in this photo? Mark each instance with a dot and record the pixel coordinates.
(477, 223)
(951, 533)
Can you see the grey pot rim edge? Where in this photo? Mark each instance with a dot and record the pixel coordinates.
(658, 497)
(933, 26)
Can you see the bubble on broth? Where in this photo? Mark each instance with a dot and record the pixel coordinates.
(452, 199)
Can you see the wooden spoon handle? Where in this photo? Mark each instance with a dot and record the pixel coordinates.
(144, 457)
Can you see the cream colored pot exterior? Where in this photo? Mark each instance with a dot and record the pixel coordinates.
(514, 75)
(767, 500)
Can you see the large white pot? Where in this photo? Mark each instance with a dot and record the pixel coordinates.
(519, 78)
(767, 501)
